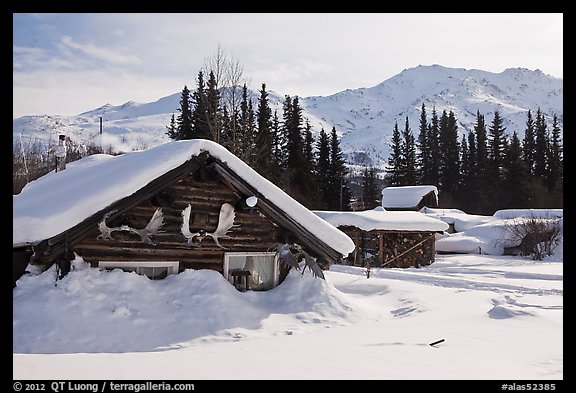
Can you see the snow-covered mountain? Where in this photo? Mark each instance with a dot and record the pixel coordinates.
(364, 117)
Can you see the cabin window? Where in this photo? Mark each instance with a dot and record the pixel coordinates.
(256, 271)
(154, 270)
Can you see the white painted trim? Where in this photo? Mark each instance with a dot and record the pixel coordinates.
(227, 256)
(172, 266)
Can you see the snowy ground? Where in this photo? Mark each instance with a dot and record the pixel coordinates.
(501, 318)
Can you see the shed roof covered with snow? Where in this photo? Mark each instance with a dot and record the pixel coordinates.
(380, 219)
(409, 197)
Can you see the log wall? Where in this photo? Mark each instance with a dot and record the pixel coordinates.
(392, 248)
(255, 232)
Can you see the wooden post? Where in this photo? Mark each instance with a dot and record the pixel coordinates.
(381, 246)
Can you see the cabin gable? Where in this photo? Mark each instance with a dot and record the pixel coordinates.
(253, 231)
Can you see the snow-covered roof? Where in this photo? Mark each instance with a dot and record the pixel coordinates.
(406, 196)
(380, 219)
(529, 213)
(460, 219)
(58, 201)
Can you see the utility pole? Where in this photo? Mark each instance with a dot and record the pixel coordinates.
(101, 147)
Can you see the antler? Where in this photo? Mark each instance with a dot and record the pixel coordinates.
(292, 258)
(225, 224)
(185, 228)
(105, 231)
(152, 228)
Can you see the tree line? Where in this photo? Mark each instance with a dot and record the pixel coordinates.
(484, 171)
(280, 147)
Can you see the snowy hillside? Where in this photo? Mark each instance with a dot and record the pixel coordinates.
(364, 117)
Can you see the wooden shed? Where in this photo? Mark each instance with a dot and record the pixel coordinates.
(180, 205)
(413, 198)
(388, 238)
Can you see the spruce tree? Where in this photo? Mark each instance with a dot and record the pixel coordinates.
(424, 159)
(184, 123)
(528, 147)
(409, 167)
(394, 168)
(172, 129)
(213, 110)
(541, 146)
(308, 172)
(340, 196)
(555, 160)
(263, 143)
(481, 143)
(449, 158)
(515, 186)
(371, 192)
(200, 127)
(496, 149)
(323, 168)
(433, 139)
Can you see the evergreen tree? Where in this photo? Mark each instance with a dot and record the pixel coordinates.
(515, 186)
(323, 168)
(293, 133)
(541, 146)
(339, 197)
(555, 160)
(308, 173)
(468, 189)
(172, 129)
(226, 135)
(409, 171)
(394, 169)
(250, 136)
(529, 145)
(424, 157)
(433, 141)
(264, 142)
(371, 192)
(184, 120)
(213, 110)
(450, 160)
(495, 165)
(243, 133)
(496, 141)
(481, 143)
(200, 127)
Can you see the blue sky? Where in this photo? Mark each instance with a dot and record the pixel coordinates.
(69, 63)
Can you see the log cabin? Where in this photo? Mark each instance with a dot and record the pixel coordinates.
(388, 238)
(180, 205)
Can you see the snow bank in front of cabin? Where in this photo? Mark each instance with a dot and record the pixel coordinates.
(58, 201)
(92, 310)
(380, 219)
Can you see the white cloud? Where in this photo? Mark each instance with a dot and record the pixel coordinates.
(106, 55)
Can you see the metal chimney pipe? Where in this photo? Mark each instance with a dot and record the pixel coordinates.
(60, 153)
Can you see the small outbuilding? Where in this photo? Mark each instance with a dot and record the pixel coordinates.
(180, 205)
(388, 238)
(409, 197)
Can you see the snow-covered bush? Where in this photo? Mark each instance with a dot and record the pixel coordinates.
(538, 236)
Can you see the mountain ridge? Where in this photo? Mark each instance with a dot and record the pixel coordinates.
(363, 117)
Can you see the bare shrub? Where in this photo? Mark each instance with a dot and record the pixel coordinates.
(538, 237)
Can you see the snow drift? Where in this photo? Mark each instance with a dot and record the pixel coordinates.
(94, 311)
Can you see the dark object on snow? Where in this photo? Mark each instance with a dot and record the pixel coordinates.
(436, 342)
